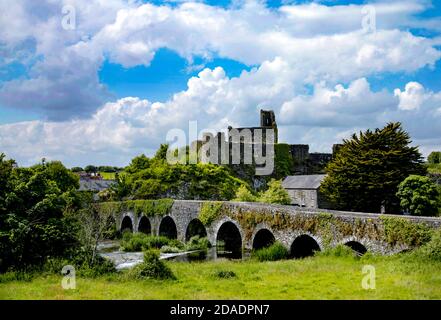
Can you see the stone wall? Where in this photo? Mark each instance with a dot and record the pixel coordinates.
(328, 228)
(304, 198)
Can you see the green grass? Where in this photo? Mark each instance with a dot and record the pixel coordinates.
(108, 175)
(320, 277)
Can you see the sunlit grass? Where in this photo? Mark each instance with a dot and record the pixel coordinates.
(108, 175)
(323, 277)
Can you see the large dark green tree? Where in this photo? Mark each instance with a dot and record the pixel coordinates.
(366, 172)
(32, 203)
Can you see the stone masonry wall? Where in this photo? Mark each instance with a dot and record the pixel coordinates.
(326, 227)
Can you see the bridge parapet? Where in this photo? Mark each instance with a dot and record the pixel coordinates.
(328, 228)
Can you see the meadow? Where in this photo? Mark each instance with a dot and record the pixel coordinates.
(320, 277)
(108, 175)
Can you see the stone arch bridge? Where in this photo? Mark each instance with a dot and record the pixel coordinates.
(302, 231)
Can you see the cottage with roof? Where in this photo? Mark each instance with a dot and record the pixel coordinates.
(304, 190)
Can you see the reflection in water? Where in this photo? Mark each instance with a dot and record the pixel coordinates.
(122, 260)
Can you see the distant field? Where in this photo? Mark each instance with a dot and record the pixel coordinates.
(311, 278)
(108, 175)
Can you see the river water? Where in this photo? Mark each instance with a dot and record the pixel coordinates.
(125, 260)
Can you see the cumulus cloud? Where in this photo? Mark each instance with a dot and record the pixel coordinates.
(316, 42)
(412, 97)
(291, 49)
(122, 129)
(338, 107)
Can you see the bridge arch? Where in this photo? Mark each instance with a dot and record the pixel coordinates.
(359, 246)
(126, 224)
(195, 228)
(263, 237)
(304, 245)
(144, 225)
(230, 234)
(167, 228)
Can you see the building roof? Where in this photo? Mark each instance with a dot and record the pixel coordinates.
(311, 181)
(94, 184)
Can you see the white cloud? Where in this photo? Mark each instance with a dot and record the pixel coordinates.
(122, 129)
(292, 48)
(412, 97)
(316, 42)
(341, 107)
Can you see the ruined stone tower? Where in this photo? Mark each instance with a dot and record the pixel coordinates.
(268, 120)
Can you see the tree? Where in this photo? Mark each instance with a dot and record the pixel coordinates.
(366, 172)
(275, 193)
(419, 196)
(244, 194)
(161, 154)
(32, 203)
(90, 169)
(434, 157)
(94, 226)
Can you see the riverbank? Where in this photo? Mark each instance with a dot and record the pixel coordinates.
(320, 277)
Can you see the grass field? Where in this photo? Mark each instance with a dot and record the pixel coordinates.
(322, 277)
(108, 175)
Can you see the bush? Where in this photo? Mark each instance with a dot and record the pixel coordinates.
(225, 274)
(275, 193)
(276, 251)
(338, 251)
(152, 268)
(197, 243)
(170, 249)
(210, 211)
(432, 249)
(140, 241)
(419, 196)
(16, 276)
(244, 194)
(100, 266)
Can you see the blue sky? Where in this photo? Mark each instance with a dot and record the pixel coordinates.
(128, 67)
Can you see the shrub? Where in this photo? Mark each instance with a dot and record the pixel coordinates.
(100, 266)
(400, 230)
(244, 194)
(275, 193)
(152, 268)
(133, 242)
(209, 212)
(170, 249)
(225, 274)
(432, 249)
(197, 243)
(276, 251)
(16, 276)
(140, 241)
(338, 251)
(419, 196)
